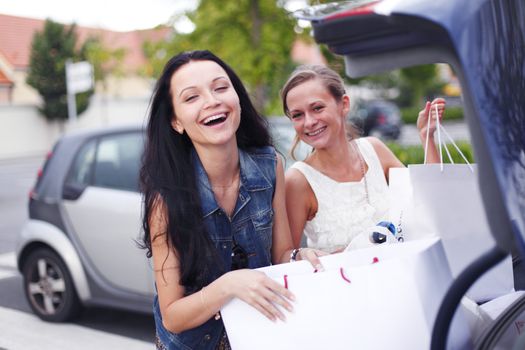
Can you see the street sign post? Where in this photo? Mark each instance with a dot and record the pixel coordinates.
(79, 78)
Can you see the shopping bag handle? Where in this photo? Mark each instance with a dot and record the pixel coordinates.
(342, 274)
(440, 128)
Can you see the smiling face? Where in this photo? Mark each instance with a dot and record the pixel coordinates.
(206, 104)
(318, 118)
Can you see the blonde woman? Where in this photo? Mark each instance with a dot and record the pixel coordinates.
(340, 189)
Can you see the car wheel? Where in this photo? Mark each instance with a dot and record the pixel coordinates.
(49, 287)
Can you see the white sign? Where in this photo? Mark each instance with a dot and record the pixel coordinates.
(79, 77)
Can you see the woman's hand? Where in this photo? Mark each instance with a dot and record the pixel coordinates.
(260, 291)
(430, 111)
(312, 255)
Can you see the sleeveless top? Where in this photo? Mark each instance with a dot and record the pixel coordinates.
(251, 226)
(342, 208)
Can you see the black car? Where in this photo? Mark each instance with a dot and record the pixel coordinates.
(378, 118)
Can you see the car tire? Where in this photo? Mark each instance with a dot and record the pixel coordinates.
(49, 287)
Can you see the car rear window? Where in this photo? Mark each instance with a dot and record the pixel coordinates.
(118, 161)
(81, 172)
(110, 161)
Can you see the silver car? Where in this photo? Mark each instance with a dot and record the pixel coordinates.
(79, 246)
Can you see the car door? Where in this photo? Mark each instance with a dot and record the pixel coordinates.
(103, 206)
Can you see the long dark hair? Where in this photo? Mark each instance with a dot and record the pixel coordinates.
(167, 173)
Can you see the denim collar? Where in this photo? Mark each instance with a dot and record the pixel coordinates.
(251, 176)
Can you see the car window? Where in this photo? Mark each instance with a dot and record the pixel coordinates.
(283, 135)
(118, 161)
(81, 171)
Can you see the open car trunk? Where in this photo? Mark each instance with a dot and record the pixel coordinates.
(484, 42)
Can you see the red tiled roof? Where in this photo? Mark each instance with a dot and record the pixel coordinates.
(131, 41)
(16, 34)
(305, 53)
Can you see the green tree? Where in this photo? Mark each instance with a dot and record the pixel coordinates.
(49, 51)
(106, 61)
(418, 83)
(255, 37)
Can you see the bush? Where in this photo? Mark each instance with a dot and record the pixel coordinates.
(414, 154)
(409, 114)
(50, 50)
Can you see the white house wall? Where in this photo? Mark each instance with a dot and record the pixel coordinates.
(24, 133)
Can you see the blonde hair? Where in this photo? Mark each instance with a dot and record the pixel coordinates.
(329, 78)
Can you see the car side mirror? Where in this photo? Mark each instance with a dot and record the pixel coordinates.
(73, 191)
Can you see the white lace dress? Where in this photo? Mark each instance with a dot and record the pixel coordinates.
(343, 211)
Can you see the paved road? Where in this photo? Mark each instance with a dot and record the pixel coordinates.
(19, 329)
(457, 130)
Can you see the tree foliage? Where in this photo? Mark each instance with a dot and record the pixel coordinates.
(105, 61)
(254, 37)
(50, 49)
(419, 83)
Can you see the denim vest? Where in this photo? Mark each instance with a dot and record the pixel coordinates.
(250, 224)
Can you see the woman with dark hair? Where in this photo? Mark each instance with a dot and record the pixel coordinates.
(214, 203)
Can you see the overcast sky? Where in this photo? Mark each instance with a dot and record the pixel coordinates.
(120, 15)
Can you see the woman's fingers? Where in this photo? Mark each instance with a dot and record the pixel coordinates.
(269, 297)
(426, 110)
(264, 311)
(427, 118)
(422, 117)
(440, 104)
(270, 301)
(312, 255)
(265, 294)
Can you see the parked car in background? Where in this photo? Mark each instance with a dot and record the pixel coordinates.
(283, 135)
(79, 246)
(378, 118)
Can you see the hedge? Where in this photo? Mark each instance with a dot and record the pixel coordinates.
(414, 154)
(409, 114)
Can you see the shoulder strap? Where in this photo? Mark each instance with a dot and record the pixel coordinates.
(371, 158)
(318, 182)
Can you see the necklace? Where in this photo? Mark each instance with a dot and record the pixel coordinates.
(233, 182)
(362, 162)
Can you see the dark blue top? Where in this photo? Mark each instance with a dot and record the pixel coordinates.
(250, 224)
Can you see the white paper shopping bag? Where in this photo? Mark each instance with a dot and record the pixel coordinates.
(426, 200)
(384, 297)
(449, 201)
(444, 200)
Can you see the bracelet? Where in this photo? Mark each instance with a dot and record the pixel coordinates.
(203, 302)
(217, 315)
(293, 254)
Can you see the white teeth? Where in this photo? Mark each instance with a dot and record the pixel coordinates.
(316, 132)
(214, 117)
